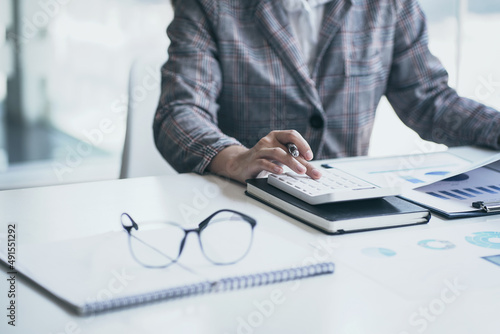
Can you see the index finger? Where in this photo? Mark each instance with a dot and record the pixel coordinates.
(294, 137)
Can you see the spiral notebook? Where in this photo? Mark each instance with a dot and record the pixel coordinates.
(96, 274)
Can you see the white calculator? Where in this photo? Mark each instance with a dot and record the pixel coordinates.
(334, 186)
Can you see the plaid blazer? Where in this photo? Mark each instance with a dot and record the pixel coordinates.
(235, 72)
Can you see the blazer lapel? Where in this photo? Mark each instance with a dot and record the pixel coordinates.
(273, 22)
(333, 17)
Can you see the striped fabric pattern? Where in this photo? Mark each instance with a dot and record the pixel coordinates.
(235, 72)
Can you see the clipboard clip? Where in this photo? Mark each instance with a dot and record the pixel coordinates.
(487, 206)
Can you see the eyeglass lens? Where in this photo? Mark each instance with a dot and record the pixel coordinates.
(156, 244)
(226, 238)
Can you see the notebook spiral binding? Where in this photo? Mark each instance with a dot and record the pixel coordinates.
(226, 284)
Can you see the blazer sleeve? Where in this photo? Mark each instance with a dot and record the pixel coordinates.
(418, 90)
(185, 124)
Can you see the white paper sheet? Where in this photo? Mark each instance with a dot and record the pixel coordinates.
(458, 193)
(408, 171)
(421, 264)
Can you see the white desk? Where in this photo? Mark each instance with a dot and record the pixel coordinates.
(345, 302)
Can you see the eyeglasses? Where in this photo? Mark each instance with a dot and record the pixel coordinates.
(225, 237)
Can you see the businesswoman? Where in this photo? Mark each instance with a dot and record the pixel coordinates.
(246, 77)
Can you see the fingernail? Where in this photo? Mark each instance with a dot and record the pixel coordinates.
(278, 170)
(308, 155)
(316, 173)
(301, 169)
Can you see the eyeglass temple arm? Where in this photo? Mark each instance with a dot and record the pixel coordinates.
(173, 260)
(126, 227)
(153, 248)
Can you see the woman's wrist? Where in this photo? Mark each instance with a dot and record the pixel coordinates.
(225, 163)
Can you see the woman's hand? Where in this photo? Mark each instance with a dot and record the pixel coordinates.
(240, 163)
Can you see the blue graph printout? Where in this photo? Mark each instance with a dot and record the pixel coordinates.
(457, 193)
(495, 259)
(485, 239)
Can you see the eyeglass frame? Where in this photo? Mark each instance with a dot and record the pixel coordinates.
(198, 230)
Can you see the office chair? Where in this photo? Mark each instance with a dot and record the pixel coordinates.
(140, 156)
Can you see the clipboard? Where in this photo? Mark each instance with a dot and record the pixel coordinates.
(472, 193)
(488, 207)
